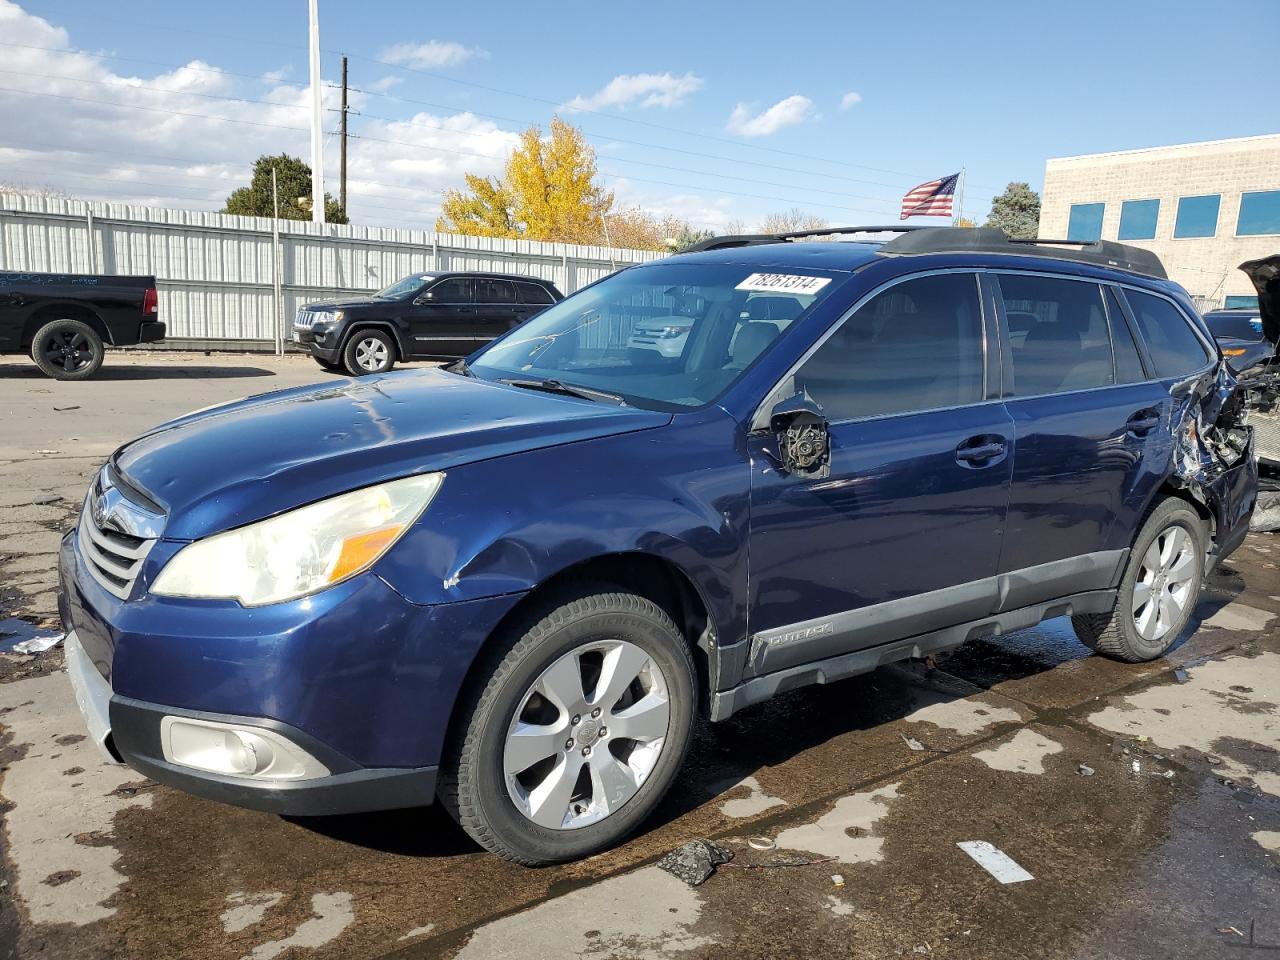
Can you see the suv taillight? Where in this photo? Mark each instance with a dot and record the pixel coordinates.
(150, 301)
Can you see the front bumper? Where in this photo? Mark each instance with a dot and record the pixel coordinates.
(357, 677)
(128, 731)
(324, 345)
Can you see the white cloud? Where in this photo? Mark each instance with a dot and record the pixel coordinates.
(165, 140)
(638, 89)
(383, 84)
(432, 54)
(850, 99)
(785, 113)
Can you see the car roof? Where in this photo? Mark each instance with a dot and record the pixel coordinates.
(853, 256)
(937, 247)
(490, 275)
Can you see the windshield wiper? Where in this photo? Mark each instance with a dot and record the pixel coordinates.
(555, 386)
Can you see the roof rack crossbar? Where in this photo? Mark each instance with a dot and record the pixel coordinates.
(1101, 253)
(754, 239)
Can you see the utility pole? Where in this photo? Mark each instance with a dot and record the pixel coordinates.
(342, 189)
(317, 121)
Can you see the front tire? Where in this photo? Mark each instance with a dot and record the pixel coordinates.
(1158, 591)
(575, 731)
(369, 351)
(67, 350)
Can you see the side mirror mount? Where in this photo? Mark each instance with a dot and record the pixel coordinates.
(426, 297)
(804, 446)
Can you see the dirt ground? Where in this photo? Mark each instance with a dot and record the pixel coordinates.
(1143, 801)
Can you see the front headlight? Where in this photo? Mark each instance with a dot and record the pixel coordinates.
(301, 551)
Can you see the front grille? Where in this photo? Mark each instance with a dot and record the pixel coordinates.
(113, 557)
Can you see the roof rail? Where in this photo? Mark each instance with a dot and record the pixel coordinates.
(754, 239)
(1102, 253)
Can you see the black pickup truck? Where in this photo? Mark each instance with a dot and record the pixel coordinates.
(63, 320)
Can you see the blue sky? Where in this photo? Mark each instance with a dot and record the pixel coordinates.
(723, 111)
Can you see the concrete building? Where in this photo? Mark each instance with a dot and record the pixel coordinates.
(1203, 208)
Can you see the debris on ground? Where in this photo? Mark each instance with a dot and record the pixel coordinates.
(38, 644)
(779, 862)
(1085, 770)
(995, 861)
(761, 843)
(45, 499)
(1137, 766)
(1180, 675)
(912, 742)
(694, 861)
(837, 879)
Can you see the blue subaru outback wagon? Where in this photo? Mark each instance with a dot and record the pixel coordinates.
(515, 584)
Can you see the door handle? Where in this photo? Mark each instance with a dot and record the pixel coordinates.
(1142, 423)
(974, 451)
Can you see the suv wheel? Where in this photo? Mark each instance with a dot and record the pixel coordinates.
(67, 350)
(575, 731)
(1158, 592)
(369, 351)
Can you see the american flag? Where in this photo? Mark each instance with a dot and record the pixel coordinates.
(930, 199)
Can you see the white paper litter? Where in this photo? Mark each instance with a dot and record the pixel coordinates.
(38, 644)
(995, 861)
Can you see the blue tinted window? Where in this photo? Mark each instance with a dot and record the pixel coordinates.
(1138, 219)
(1242, 303)
(1259, 213)
(1197, 216)
(1085, 222)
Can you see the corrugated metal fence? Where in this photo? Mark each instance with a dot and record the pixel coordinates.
(216, 273)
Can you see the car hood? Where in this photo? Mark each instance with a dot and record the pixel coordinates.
(230, 465)
(348, 303)
(1265, 274)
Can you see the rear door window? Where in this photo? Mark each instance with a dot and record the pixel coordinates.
(495, 291)
(914, 346)
(1057, 335)
(1128, 360)
(533, 293)
(1175, 349)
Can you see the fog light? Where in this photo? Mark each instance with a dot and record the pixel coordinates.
(236, 751)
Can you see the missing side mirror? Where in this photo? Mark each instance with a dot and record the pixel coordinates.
(804, 446)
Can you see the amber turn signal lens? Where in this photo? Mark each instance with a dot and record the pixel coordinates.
(361, 550)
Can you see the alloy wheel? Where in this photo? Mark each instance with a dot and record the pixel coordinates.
(371, 354)
(587, 734)
(1165, 583)
(70, 350)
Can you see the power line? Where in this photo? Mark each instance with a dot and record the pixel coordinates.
(438, 149)
(511, 93)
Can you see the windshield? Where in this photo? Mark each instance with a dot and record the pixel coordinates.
(405, 287)
(665, 336)
(1234, 326)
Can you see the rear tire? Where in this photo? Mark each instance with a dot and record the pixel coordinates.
(617, 664)
(1158, 591)
(67, 350)
(369, 351)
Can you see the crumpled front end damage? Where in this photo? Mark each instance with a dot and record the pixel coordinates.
(1213, 457)
(1263, 394)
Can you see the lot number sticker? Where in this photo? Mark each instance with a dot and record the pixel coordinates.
(783, 283)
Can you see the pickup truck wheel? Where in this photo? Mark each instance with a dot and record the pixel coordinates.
(1158, 591)
(369, 351)
(575, 730)
(67, 350)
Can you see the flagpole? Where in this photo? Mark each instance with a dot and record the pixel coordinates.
(959, 200)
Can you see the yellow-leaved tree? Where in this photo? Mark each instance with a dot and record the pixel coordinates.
(547, 192)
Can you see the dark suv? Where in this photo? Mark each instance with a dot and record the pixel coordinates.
(514, 584)
(426, 316)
